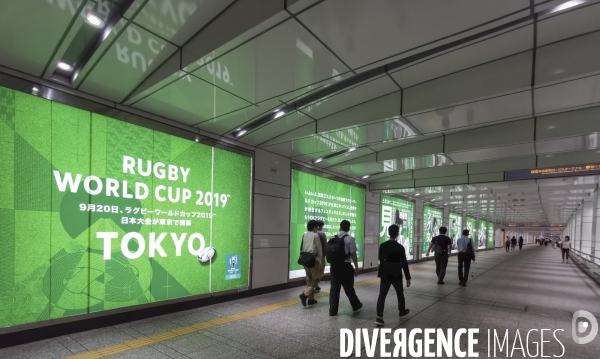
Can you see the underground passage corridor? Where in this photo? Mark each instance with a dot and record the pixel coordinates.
(531, 289)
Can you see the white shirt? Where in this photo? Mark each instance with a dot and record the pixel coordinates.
(566, 244)
(349, 244)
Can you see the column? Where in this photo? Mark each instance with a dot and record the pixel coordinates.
(418, 228)
(372, 228)
(271, 212)
(577, 233)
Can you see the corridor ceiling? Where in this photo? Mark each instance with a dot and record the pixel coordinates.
(435, 99)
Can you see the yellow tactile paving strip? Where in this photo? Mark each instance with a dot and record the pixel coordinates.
(157, 338)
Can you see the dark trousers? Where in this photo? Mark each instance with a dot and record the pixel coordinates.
(508, 247)
(464, 263)
(565, 252)
(441, 262)
(342, 275)
(520, 246)
(384, 287)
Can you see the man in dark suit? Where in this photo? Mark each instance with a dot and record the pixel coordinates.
(392, 261)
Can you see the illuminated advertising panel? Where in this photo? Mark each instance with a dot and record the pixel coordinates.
(432, 221)
(315, 197)
(99, 214)
(400, 212)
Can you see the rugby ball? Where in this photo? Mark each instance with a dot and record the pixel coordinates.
(206, 254)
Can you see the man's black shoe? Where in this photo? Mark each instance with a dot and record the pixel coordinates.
(332, 314)
(379, 322)
(464, 284)
(404, 312)
(303, 298)
(360, 305)
(317, 289)
(312, 302)
(440, 282)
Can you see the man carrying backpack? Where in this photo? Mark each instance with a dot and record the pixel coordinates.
(311, 247)
(341, 252)
(442, 247)
(466, 254)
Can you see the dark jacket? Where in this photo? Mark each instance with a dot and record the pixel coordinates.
(392, 260)
(513, 240)
(520, 240)
(442, 244)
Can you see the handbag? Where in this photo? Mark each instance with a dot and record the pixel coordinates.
(306, 259)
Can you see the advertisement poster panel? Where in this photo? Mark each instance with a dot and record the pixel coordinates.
(455, 228)
(491, 235)
(401, 213)
(99, 214)
(315, 197)
(482, 235)
(432, 221)
(471, 225)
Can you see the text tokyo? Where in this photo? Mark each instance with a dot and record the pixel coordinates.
(431, 343)
(154, 244)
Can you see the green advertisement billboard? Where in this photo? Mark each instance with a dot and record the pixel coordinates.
(319, 198)
(455, 229)
(432, 221)
(401, 213)
(471, 225)
(490, 236)
(99, 214)
(482, 234)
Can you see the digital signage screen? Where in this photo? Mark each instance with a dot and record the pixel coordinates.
(482, 235)
(400, 212)
(315, 197)
(491, 236)
(471, 225)
(455, 229)
(432, 221)
(99, 214)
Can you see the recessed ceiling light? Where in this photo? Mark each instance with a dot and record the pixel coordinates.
(64, 66)
(351, 149)
(94, 20)
(35, 89)
(279, 114)
(567, 5)
(318, 160)
(197, 139)
(365, 176)
(241, 133)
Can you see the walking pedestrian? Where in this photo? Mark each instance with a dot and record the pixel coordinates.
(565, 248)
(322, 264)
(513, 242)
(507, 245)
(442, 247)
(392, 261)
(520, 243)
(341, 253)
(311, 254)
(466, 254)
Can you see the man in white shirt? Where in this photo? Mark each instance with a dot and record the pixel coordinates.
(464, 260)
(311, 243)
(342, 274)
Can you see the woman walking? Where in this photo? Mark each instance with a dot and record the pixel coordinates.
(520, 243)
(565, 248)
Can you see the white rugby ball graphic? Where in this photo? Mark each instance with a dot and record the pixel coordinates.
(206, 254)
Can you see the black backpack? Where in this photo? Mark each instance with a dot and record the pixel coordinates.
(335, 250)
(442, 248)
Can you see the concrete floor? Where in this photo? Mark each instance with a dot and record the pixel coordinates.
(524, 290)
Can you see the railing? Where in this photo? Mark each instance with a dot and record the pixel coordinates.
(587, 262)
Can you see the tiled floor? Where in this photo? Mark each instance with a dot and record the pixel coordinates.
(524, 290)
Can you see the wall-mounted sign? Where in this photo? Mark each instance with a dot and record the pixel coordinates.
(582, 170)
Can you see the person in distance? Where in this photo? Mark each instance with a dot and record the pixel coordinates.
(466, 254)
(392, 262)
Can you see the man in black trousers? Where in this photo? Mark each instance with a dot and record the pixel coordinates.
(342, 272)
(466, 253)
(442, 245)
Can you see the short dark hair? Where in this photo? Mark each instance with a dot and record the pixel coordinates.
(320, 224)
(311, 224)
(345, 225)
(465, 232)
(443, 230)
(394, 231)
